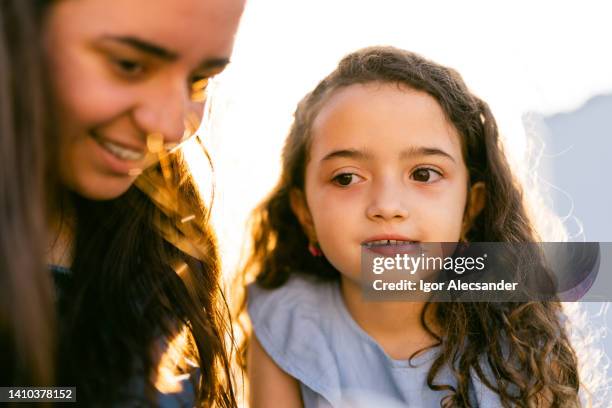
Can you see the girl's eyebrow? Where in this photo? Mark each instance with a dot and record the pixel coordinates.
(424, 151)
(404, 154)
(348, 154)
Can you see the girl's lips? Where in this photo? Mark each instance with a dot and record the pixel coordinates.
(392, 249)
(387, 239)
(391, 245)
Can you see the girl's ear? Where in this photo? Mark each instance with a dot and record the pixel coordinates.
(297, 200)
(475, 204)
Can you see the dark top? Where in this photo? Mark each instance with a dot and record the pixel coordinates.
(136, 385)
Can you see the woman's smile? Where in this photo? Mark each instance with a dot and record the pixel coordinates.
(119, 150)
(116, 158)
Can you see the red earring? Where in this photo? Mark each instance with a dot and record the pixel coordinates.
(314, 249)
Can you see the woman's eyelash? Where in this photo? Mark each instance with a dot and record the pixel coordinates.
(131, 68)
(128, 66)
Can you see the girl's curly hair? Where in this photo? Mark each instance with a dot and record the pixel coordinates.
(542, 370)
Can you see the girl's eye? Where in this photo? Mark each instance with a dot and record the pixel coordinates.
(426, 175)
(198, 89)
(346, 179)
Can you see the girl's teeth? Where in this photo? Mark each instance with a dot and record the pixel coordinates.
(388, 242)
(121, 152)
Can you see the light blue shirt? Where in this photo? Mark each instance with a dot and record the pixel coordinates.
(306, 329)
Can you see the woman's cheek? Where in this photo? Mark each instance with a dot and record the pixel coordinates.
(98, 102)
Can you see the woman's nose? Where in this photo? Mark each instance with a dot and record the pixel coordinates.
(388, 201)
(169, 111)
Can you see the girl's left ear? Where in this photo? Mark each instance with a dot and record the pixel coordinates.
(475, 204)
(299, 206)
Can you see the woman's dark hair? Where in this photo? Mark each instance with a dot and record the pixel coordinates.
(543, 365)
(26, 302)
(133, 286)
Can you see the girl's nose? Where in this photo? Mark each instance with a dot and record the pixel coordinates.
(387, 202)
(170, 112)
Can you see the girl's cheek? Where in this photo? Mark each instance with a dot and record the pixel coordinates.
(347, 201)
(449, 219)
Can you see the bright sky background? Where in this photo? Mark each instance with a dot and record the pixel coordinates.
(519, 56)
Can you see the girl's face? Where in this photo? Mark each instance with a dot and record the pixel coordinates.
(384, 164)
(125, 69)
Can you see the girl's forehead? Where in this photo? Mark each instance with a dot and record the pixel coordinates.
(383, 118)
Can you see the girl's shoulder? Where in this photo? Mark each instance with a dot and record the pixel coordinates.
(300, 294)
(307, 332)
(295, 324)
(302, 306)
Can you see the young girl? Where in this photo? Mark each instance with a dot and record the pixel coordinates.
(391, 146)
(142, 320)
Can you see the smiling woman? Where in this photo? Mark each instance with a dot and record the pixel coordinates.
(141, 315)
(124, 75)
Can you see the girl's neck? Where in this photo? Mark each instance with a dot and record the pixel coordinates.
(396, 326)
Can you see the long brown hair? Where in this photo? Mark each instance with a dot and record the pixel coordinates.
(133, 284)
(26, 303)
(544, 365)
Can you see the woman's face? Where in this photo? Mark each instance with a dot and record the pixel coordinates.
(123, 70)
